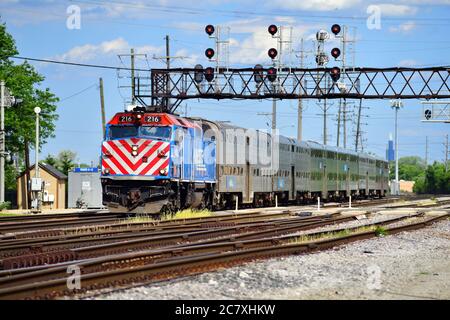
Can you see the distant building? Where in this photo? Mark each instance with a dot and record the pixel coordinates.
(406, 186)
(54, 181)
(390, 156)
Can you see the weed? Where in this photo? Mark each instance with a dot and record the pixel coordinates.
(380, 231)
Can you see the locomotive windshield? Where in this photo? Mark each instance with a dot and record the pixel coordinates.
(157, 132)
(117, 132)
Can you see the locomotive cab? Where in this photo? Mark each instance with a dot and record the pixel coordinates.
(150, 162)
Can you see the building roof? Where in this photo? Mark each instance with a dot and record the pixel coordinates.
(50, 169)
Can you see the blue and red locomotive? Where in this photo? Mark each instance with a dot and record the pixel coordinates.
(159, 162)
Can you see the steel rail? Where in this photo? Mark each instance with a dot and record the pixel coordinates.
(236, 243)
(187, 265)
(125, 243)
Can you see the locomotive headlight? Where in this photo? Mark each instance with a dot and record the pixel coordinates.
(106, 171)
(134, 153)
(139, 116)
(163, 172)
(134, 148)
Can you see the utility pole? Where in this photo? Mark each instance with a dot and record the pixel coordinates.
(102, 106)
(339, 123)
(300, 100)
(133, 100)
(2, 143)
(396, 104)
(321, 60)
(426, 151)
(325, 122)
(6, 100)
(344, 115)
(446, 153)
(358, 126)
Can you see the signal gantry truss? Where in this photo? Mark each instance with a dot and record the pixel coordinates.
(176, 85)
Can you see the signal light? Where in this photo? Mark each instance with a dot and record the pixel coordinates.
(258, 73)
(428, 114)
(336, 29)
(272, 53)
(273, 29)
(209, 53)
(198, 73)
(209, 29)
(335, 53)
(209, 74)
(272, 74)
(335, 74)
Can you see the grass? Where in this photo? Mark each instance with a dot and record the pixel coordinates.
(10, 214)
(187, 214)
(331, 234)
(380, 231)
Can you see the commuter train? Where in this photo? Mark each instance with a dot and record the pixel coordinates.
(160, 162)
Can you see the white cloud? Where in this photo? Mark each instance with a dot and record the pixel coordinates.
(388, 9)
(88, 52)
(404, 27)
(408, 63)
(315, 5)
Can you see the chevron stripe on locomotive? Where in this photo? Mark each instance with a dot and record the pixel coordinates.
(159, 162)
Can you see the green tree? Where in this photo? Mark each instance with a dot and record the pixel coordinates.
(51, 160)
(409, 168)
(24, 82)
(435, 180)
(66, 161)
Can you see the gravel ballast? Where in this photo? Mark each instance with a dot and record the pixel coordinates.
(408, 265)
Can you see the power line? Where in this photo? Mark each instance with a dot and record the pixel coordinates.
(78, 93)
(196, 11)
(76, 64)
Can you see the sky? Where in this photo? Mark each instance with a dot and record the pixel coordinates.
(408, 33)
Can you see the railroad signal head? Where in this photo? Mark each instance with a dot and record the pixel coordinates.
(336, 29)
(272, 53)
(335, 73)
(198, 73)
(272, 74)
(273, 29)
(209, 74)
(258, 73)
(428, 114)
(335, 53)
(209, 29)
(209, 53)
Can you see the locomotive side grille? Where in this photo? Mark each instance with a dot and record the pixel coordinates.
(146, 161)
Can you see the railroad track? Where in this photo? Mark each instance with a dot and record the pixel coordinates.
(31, 252)
(181, 259)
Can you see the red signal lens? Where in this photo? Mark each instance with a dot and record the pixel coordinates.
(272, 53)
(209, 29)
(272, 74)
(273, 29)
(209, 53)
(335, 73)
(336, 29)
(335, 52)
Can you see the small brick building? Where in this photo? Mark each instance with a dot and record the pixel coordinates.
(55, 184)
